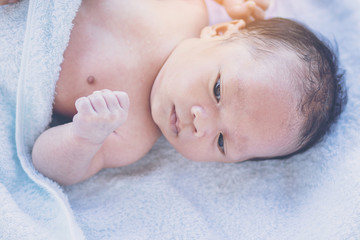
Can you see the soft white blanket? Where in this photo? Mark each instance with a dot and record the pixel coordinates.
(33, 36)
(315, 195)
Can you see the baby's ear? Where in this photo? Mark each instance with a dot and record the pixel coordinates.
(222, 29)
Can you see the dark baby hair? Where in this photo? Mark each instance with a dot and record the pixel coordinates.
(323, 93)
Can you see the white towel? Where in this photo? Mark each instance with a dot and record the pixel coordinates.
(33, 37)
(314, 195)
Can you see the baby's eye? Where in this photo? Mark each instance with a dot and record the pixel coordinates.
(221, 143)
(217, 90)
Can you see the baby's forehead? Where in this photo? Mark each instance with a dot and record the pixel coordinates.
(277, 66)
(279, 56)
(282, 63)
(264, 108)
(278, 61)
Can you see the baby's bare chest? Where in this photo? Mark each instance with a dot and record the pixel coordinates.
(122, 47)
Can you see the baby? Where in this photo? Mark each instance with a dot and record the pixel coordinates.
(264, 90)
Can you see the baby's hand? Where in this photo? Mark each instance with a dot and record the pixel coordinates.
(4, 2)
(248, 10)
(100, 114)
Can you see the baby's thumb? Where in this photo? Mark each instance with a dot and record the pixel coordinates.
(239, 9)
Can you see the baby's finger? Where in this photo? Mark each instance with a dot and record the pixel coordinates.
(258, 13)
(98, 102)
(83, 105)
(263, 4)
(123, 99)
(111, 100)
(237, 9)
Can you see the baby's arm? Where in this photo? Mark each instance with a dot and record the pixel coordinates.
(70, 153)
(248, 10)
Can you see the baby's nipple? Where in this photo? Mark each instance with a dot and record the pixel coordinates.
(90, 80)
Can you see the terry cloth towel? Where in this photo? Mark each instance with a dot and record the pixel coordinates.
(313, 195)
(33, 37)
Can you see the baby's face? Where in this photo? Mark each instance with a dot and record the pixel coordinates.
(215, 102)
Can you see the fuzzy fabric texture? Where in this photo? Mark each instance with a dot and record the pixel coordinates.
(313, 195)
(33, 37)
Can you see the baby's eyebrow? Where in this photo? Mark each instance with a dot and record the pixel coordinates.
(229, 149)
(233, 151)
(232, 138)
(222, 86)
(235, 143)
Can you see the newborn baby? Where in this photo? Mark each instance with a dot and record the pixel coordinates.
(134, 70)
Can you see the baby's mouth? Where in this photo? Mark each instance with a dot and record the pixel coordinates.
(174, 121)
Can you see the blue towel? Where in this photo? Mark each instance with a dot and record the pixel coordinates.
(313, 195)
(33, 37)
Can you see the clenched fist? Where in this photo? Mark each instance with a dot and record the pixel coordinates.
(100, 114)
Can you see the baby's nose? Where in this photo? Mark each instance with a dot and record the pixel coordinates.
(201, 123)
